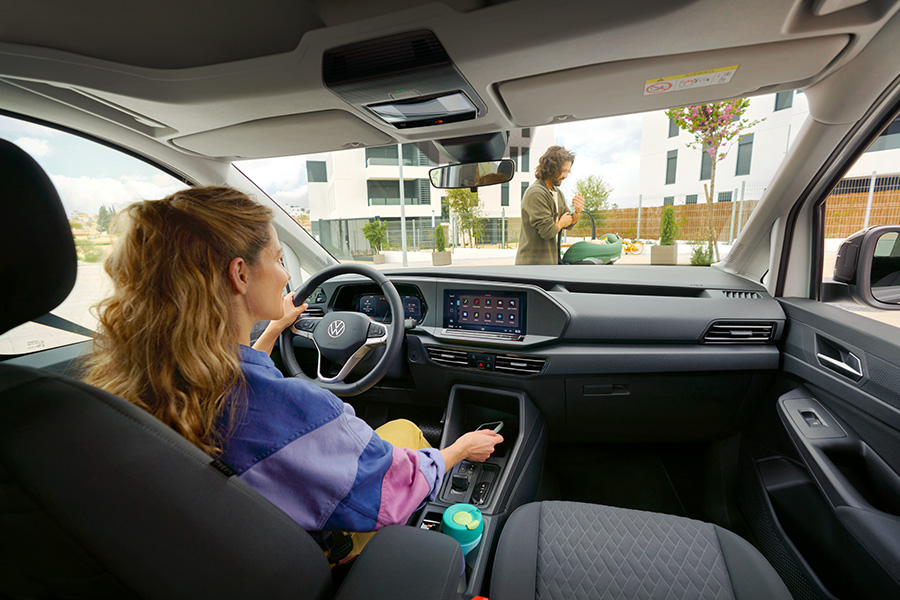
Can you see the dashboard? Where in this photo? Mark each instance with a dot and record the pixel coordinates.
(622, 353)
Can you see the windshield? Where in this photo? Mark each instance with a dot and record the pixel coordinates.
(627, 169)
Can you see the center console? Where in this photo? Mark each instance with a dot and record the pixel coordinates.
(506, 480)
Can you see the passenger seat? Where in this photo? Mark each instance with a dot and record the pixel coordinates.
(577, 551)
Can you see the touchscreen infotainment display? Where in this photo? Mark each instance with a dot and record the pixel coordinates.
(494, 312)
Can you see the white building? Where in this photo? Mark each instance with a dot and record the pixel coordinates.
(349, 188)
(672, 173)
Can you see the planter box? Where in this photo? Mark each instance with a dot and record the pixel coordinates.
(378, 259)
(664, 255)
(440, 259)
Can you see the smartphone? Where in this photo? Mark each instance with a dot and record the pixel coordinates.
(496, 426)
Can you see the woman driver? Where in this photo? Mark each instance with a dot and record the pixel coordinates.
(192, 273)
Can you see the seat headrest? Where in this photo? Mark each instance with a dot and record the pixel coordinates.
(37, 252)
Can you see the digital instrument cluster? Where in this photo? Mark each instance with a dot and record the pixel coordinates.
(376, 306)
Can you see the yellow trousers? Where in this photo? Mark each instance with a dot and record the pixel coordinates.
(402, 434)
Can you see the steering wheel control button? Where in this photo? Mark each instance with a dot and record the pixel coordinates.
(376, 331)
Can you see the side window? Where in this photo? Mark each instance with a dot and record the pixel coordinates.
(868, 195)
(94, 183)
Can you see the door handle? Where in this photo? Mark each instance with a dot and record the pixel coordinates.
(849, 366)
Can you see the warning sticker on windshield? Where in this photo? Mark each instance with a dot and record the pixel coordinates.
(688, 81)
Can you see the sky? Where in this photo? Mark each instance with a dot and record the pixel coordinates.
(610, 148)
(85, 173)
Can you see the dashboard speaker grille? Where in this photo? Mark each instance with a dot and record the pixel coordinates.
(739, 295)
(521, 365)
(448, 357)
(739, 332)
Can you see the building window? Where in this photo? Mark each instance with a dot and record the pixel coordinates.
(316, 171)
(724, 197)
(504, 194)
(745, 150)
(784, 100)
(526, 133)
(668, 200)
(386, 192)
(690, 199)
(705, 165)
(673, 127)
(383, 155)
(671, 162)
(514, 156)
(523, 160)
(525, 185)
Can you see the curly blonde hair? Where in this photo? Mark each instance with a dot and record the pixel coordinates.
(550, 165)
(166, 340)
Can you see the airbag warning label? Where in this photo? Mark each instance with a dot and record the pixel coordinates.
(688, 81)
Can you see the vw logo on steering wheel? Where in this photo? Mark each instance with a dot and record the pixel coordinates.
(336, 329)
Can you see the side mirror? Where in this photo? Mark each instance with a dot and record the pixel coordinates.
(471, 175)
(869, 263)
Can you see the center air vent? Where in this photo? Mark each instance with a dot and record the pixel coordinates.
(519, 365)
(738, 295)
(449, 358)
(314, 311)
(739, 332)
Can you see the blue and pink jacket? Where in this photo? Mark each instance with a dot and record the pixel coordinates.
(308, 453)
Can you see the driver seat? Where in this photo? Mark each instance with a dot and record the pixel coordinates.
(98, 499)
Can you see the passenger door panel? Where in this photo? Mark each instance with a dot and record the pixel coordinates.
(844, 421)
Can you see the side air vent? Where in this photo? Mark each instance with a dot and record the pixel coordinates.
(738, 295)
(314, 311)
(739, 332)
(519, 365)
(449, 358)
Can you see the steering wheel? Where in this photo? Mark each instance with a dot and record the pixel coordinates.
(345, 337)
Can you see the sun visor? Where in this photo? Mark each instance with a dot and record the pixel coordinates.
(285, 136)
(654, 83)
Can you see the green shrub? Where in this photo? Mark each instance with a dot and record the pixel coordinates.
(375, 233)
(700, 254)
(88, 251)
(668, 229)
(440, 241)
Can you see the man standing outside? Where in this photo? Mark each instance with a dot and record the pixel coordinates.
(544, 210)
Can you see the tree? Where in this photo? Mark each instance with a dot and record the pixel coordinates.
(713, 126)
(105, 217)
(375, 233)
(467, 207)
(596, 200)
(440, 243)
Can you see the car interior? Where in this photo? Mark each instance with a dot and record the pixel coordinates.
(669, 431)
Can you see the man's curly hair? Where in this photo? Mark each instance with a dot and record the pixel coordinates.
(550, 165)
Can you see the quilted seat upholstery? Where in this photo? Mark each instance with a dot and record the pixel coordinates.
(576, 551)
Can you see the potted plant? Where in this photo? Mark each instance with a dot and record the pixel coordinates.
(667, 251)
(440, 256)
(375, 233)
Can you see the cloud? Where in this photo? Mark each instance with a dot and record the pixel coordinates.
(296, 197)
(34, 146)
(87, 194)
(275, 175)
(610, 148)
(10, 128)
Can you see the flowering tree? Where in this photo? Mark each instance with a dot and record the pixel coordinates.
(714, 126)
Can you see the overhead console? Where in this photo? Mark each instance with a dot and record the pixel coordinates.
(406, 80)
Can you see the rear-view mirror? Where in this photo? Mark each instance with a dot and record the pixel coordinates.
(470, 175)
